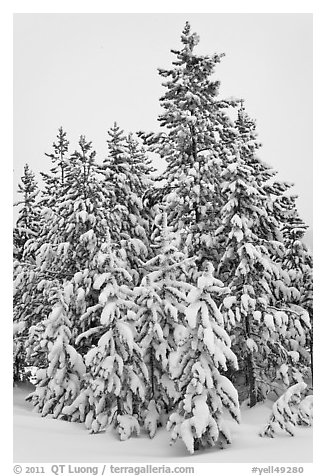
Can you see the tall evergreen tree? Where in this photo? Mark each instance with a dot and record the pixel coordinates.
(298, 260)
(74, 226)
(78, 219)
(53, 182)
(195, 124)
(251, 266)
(26, 229)
(31, 285)
(126, 176)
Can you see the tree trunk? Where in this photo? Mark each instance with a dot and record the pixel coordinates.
(119, 406)
(196, 444)
(251, 381)
(152, 372)
(250, 369)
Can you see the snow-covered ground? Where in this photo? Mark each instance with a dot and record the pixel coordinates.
(45, 440)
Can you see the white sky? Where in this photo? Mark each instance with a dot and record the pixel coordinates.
(85, 71)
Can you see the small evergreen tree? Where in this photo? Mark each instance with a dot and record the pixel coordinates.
(31, 307)
(114, 388)
(161, 300)
(285, 412)
(198, 368)
(59, 381)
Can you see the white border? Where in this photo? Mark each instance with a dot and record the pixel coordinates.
(169, 6)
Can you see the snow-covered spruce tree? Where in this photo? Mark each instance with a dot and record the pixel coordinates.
(53, 182)
(52, 189)
(289, 228)
(30, 283)
(293, 290)
(266, 330)
(78, 220)
(299, 263)
(161, 300)
(195, 124)
(242, 266)
(26, 228)
(115, 384)
(53, 186)
(126, 172)
(59, 381)
(285, 412)
(31, 306)
(198, 367)
(27, 223)
(74, 227)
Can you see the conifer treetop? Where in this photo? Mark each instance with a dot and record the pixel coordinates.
(60, 147)
(28, 187)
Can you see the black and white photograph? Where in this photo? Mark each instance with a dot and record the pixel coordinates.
(163, 239)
